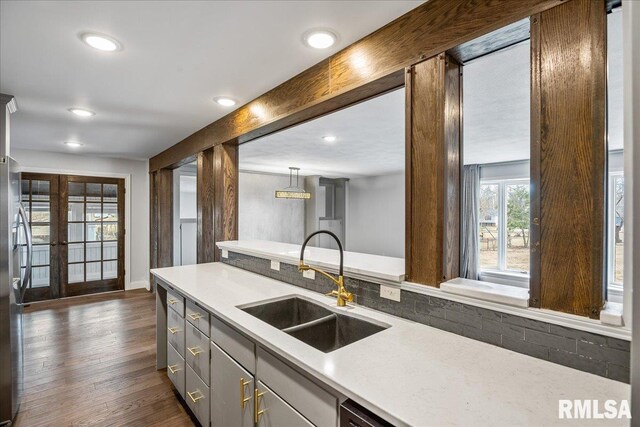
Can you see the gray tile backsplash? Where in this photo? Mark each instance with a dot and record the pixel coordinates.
(597, 354)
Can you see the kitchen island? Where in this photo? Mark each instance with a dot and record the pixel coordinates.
(408, 374)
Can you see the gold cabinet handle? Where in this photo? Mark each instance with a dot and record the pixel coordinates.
(173, 330)
(194, 350)
(172, 301)
(256, 404)
(243, 400)
(195, 316)
(173, 368)
(195, 399)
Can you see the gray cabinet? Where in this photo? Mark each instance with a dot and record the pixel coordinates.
(232, 391)
(307, 397)
(272, 411)
(198, 317)
(175, 331)
(228, 380)
(176, 369)
(197, 352)
(234, 343)
(175, 301)
(197, 396)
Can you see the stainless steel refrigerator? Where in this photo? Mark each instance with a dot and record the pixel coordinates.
(15, 242)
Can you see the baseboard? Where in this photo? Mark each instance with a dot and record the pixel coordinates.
(140, 284)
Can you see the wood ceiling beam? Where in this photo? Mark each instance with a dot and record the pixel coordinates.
(366, 68)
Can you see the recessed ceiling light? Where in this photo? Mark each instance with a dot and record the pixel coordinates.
(329, 138)
(224, 101)
(319, 39)
(82, 112)
(73, 144)
(101, 42)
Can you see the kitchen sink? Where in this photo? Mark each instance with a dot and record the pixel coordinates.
(288, 312)
(313, 323)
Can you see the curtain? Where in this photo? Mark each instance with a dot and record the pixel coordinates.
(470, 262)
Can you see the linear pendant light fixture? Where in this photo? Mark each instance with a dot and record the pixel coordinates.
(293, 192)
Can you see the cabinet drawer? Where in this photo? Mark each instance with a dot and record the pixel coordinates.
(175, 331)
(176, 369)
(197, 352)
(235, 344)
(272, 411)
(312, 401)
(198, 317)
(175, 301)
(197, 397)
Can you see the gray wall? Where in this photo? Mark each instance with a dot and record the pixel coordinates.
(375, 215)
(262, 216)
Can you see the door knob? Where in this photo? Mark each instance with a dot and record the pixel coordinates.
(53, 243)
(64, 243)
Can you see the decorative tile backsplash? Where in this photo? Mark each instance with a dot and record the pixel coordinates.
(597, 354)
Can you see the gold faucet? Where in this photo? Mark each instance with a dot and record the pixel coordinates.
(342, 295)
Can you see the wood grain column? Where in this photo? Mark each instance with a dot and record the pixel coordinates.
(225, 194)
(163, 187)
(568, 157)
(433, 132)
(205, 206)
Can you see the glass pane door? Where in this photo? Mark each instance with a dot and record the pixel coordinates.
(39, 198)
(94, 235)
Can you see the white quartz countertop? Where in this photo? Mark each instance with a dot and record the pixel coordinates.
(359, 265)
(409, 374)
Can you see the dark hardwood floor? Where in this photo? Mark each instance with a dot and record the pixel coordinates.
(91, 361)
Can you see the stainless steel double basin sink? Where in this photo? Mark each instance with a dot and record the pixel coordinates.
(313, 323)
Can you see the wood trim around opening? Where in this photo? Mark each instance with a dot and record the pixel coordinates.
(366, 68)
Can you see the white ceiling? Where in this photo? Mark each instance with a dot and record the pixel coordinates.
(177, 56)
(370, 142)
(371, 138)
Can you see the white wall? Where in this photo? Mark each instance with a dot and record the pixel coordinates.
(375, 215)
(631, 23)
(136, 173)
(262, 216)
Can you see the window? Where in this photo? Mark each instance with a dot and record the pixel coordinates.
(616, 236)
(504, 225)
(615, 191)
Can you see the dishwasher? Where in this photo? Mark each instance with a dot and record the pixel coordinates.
(354, 415)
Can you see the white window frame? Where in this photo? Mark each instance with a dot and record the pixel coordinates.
(614, 289)
(501, 274)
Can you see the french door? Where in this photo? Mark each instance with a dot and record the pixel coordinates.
(41, 202)
(78, 234)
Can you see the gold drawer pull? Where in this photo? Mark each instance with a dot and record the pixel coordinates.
(173, 330)
(194, 350)
(195, 399)
(243, 400)
(173, 368)
(256, 404)
(195, 316)
(172, 301)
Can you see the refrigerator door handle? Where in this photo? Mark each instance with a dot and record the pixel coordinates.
(27, 232)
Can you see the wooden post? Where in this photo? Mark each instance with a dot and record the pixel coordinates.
(164, 217)
(205, 202)
(433, 171)
(225, 194)
(568, 157)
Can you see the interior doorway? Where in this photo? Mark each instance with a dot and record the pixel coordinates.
(77, 223)
(185, 224)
